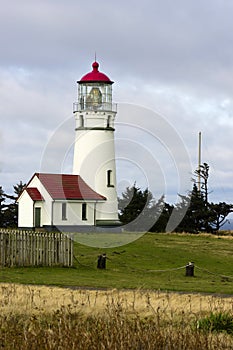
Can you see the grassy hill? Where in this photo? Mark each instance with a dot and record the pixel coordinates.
(155, 261)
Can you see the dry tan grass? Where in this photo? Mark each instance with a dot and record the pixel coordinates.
(224, 234)
(40, 317)
(38, 299)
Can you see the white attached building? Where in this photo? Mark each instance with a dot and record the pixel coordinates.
(88, 197)
(58, 200)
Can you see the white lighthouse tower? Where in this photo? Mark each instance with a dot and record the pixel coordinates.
(94, 149)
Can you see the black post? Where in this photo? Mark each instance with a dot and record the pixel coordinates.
(190, 269)
(101, 262)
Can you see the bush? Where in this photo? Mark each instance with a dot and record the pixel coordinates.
(217, 322)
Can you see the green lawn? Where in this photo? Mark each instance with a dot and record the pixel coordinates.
(154, 261)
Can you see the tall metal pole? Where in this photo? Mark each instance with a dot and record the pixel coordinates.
(199, 161)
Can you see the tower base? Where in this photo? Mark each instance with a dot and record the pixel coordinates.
(108, 223)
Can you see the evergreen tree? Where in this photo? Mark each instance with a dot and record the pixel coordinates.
(163, 214)
(219, 212)
(201, 215)
(203, 176)
(2, 206)
(138, 209)
(141, 212)
(194, 220)
(10, 212)
(133, 202)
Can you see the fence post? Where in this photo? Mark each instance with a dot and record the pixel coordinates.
(189, 269)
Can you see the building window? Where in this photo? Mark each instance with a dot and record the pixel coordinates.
(84, 211)
(109, 178)
(64, 211)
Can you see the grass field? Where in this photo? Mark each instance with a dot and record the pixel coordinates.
(133, 304)
(154, 262)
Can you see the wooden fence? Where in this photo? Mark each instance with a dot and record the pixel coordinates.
(29, 248)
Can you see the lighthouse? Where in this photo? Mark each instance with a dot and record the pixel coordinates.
(94, 148)
(87, 198)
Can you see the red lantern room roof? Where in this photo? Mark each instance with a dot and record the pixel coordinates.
(95, 76)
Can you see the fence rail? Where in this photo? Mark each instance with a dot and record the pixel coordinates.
(29, 248)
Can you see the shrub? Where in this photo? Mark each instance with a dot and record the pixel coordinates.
(217, 322)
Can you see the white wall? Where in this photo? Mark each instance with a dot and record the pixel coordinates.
(94, 155)
(46, 205)
(74, 213)
(25, 208)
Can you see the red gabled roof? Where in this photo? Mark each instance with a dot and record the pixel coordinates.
(34, 194)
(95, 76)
(64, 186)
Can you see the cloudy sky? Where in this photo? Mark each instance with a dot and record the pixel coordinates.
(172, 64)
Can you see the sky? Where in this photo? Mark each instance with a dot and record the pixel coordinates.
(172, 64)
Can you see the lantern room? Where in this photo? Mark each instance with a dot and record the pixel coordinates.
(94, 92)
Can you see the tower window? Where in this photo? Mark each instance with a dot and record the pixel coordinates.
(94, 98)
(64, 211)
(84, 211)
(82, 102)
(109, 178)
(108, 121)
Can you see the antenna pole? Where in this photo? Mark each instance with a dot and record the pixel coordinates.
(199, 161)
